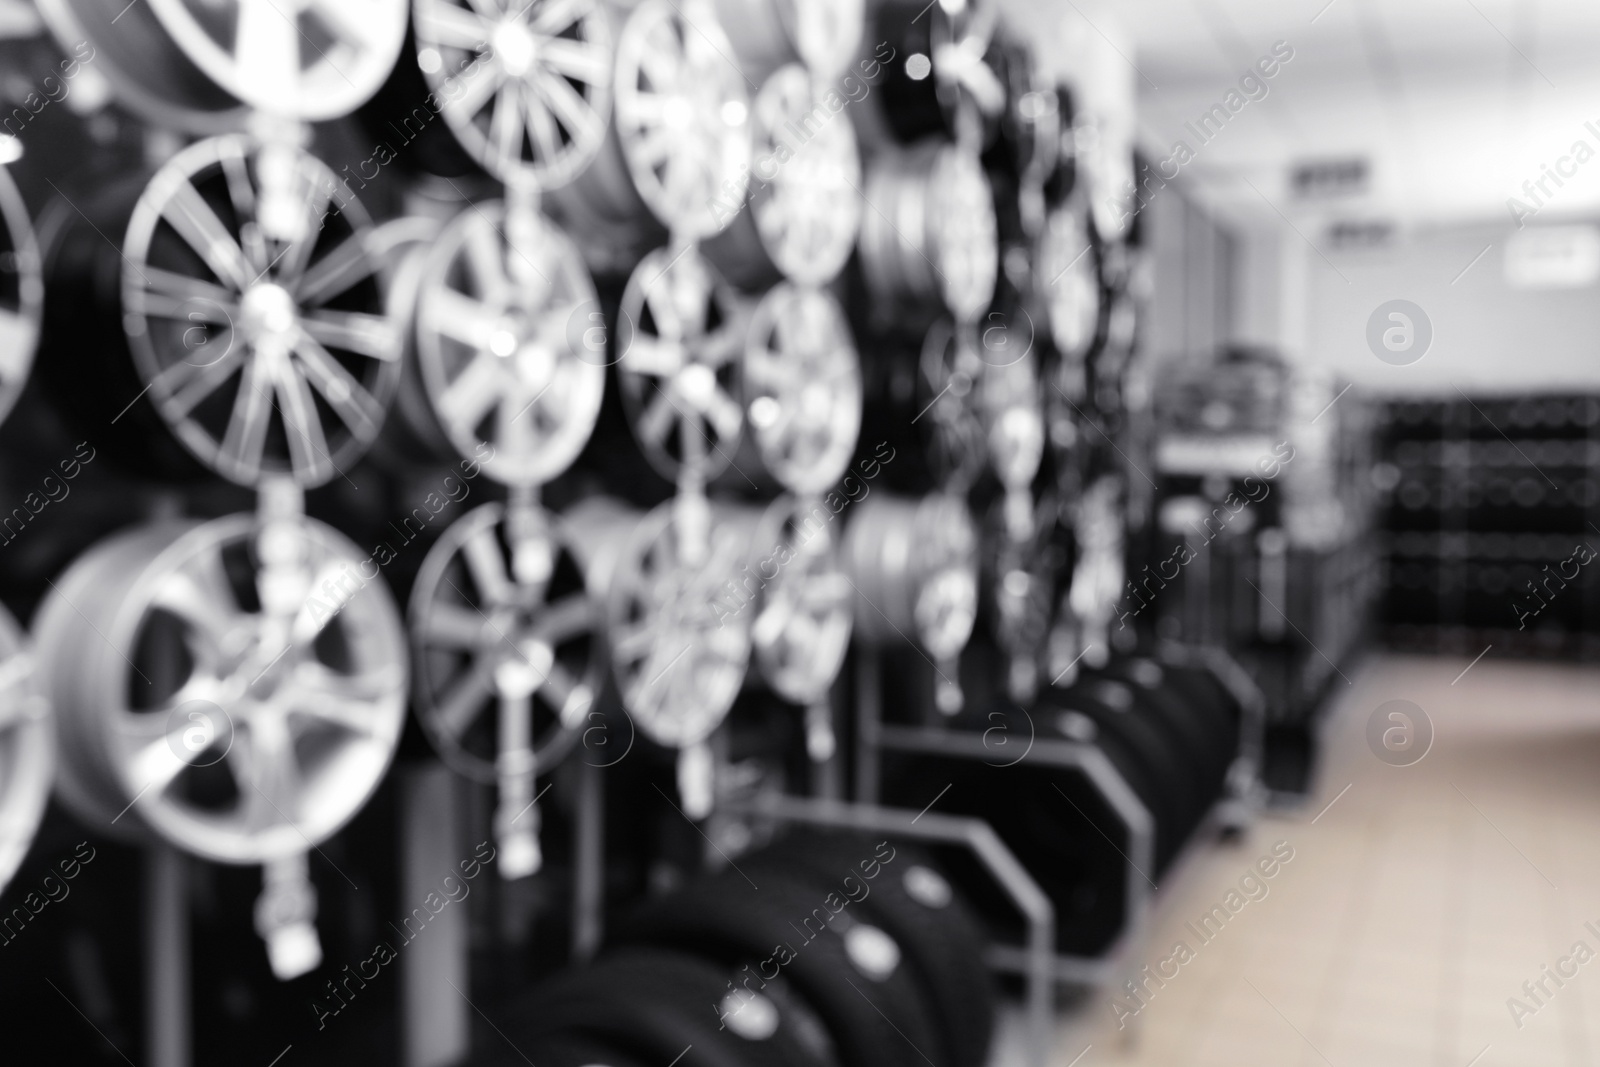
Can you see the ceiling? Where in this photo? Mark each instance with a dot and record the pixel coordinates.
(1454, 103)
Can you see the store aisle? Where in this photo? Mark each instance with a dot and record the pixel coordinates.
(1406, 904)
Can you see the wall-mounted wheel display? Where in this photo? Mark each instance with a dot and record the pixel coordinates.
(21, 293)
(151, 75)
(805, 198)
(507, 647)
(802, 386)
(526, 86)
(249, 298)
(766, 34)
(951, 372)
(503, 308)
(27, 747)
(914, 564)
(1021, 570)
(678, 367)
(928, 237)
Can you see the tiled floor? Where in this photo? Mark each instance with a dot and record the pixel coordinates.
(1417, 902)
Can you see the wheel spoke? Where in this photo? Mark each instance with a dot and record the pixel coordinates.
(565, 695)
(202, 596)
(375, 336)
(484, 251)
(182, 386)
(349, 399)
(189, 214)
(450, 25)
(576, 59)
(308, 445)
(454, 627)
(505, 128)
(463, 700)
(570, 109)
(268, 778)
(558, 622)
(17, 337)
(355, 702)
(658, 417)
(246, 436)
(516, 432)
(465, 94)
(546, 138)
(653, 356)
(724, 415)
(554, 16)
(487, 565)
(335, 272)
(169, 295)
(467, 400)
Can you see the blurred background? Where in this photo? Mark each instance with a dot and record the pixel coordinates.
(810, 533)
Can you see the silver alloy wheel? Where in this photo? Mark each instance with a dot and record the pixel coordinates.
(806, 202)
(801, 623)
(502, 299)
(682, 115)
(823, 34)
(929, 237)
(1012, 411)
(484, 626)
(914, 563)
(27, 747)
(308, 60)
(679, 366)
(525, 85)
(679, 651)
(802, 383)
(250, 269)
(149, 73)
(239, 734)
(1069, 277)
(21, 294)
(951, 372)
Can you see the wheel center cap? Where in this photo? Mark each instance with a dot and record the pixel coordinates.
(516, 47)
(697, 382)
(268, 311)
(522, 672)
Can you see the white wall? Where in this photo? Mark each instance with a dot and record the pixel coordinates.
(1488, 337)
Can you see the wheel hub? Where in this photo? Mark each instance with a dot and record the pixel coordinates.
(267, 313)
(516, 46)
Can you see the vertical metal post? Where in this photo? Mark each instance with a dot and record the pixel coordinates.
(166, 957)
(434, 1016)
(588, 863)
(869, 712)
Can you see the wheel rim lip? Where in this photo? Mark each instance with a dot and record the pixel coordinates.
(960, 190)
(1066, 229)
(201, 832)
(30, 285)
(719, 297)
(714, 703)
(699, 220)
(27, 760)
(193, 161)
(559, 739)
(843, 372)
(311, 100)
(558, 450)
(68, 29)
(838, 148)
(572, 161)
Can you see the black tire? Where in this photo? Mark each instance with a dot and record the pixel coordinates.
(876, 1021)
(914, 902)
(557, 1050)
(655, 1005)
(1192, 720)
